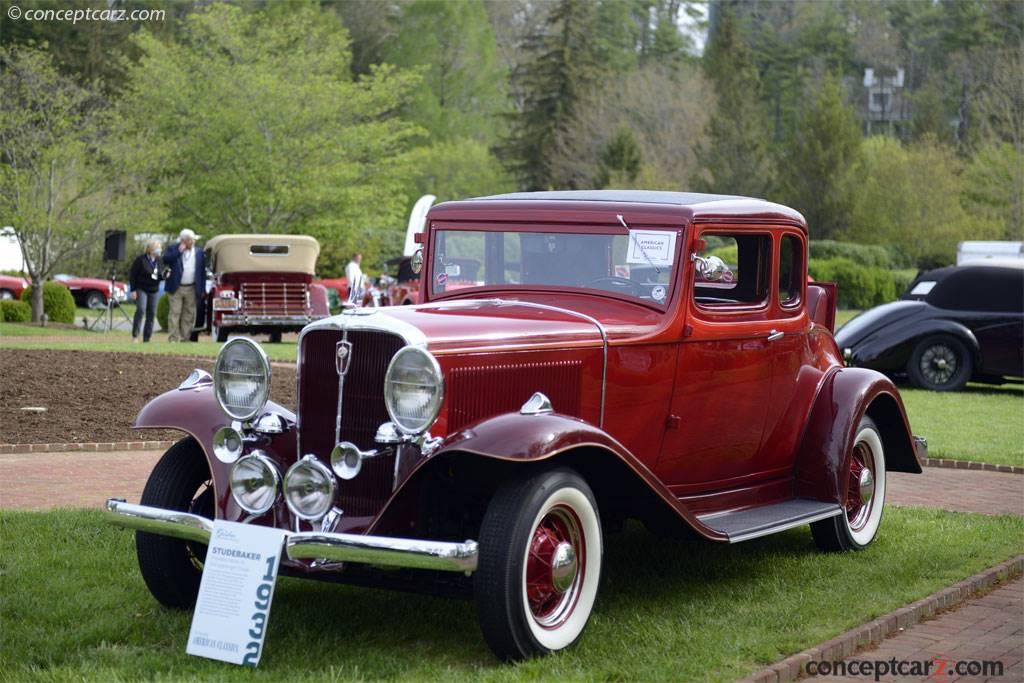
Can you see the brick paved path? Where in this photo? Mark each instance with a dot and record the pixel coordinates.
(39, 481)
(987, 628)
(991, 493)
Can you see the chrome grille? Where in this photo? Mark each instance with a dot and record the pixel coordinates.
(362, 408)
(274, 298)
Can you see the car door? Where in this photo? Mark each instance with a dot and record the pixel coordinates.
(723, 370)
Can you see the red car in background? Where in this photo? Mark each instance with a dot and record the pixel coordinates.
(11, 286)
(91, 292)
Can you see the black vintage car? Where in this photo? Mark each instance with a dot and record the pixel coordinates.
(951, 325)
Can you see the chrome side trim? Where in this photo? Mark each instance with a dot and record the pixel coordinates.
(309, 545)
(172, 523)
(791, 524)
(245, 319)
(382, 550)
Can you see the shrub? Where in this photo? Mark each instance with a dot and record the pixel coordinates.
(58, 304)
(865, 254)
(901, 279)
(15, 311)
(859, 286)
(163, 310)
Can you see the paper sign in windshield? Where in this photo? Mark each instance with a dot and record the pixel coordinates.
(651, 247)
(230, 621)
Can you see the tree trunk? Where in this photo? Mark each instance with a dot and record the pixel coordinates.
(37, 300)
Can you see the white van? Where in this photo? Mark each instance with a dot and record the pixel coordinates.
(992, 253)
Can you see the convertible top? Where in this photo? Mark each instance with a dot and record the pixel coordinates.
(262, 253)
(970, 288)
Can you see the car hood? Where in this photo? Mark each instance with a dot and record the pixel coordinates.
(874, 319)
(477, 324)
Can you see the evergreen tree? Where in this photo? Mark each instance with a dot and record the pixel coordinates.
(735, 157)
(620, 160)
(550, 88)
(463, 82)
(817, 160)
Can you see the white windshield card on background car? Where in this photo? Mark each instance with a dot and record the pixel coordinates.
(651, 247)
(231, 615)
(922, 288)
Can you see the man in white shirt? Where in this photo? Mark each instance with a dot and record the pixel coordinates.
(186, 284)
(356, 279)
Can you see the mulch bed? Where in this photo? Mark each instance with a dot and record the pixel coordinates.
(94, 396)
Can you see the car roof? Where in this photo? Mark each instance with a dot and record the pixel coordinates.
(235, 253)
(603, 206)
(970, 288)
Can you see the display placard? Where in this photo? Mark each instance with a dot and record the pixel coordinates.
(651, 247)
(231, 615)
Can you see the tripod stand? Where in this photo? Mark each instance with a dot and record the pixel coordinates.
(107, 315)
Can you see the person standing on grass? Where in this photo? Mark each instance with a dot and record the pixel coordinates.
(186, 284)
(144, 279)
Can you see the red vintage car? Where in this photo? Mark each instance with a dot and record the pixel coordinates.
(91, 292)
(11, 286)
(263, 284)
(601, 367)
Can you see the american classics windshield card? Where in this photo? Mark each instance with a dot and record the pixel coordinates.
(233, 608)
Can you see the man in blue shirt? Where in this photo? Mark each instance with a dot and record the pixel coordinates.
(186, 284)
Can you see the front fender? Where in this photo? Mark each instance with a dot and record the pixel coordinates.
(519, 440)
(823, 456)
(195, 411)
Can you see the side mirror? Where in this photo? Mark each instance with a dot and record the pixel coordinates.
(416, 262)
(712, 268)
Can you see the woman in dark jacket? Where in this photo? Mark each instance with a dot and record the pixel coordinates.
(144, 279)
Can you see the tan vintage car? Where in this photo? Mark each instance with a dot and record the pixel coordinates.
(263, 284)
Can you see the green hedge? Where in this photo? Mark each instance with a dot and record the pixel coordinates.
(163, 309)
(864, 254)
(12, 311)
(859, 286)
(902, 279)
(58, 304)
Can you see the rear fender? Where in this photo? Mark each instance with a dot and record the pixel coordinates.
(893, 346)
(845, 397)
(493, 450)
(195, 411)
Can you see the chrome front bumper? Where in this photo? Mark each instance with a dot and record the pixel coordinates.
(308, 545)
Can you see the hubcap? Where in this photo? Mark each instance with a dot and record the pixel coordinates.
(939, 364)
(563, 567)
(555, 567)
(867, 486)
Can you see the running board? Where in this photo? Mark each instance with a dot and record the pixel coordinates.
(743, 525)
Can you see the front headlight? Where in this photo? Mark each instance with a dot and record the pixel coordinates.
(309, 489)
(254, 483)
(413, 389)
(241, 378)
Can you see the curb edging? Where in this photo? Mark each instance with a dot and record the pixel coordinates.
(91, 446)
(971, 465)
(877, 630)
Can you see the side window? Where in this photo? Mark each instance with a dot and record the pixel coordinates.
(791, 270)
(745, 282)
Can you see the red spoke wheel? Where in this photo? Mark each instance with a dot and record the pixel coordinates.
(540, 564)
(864, 491)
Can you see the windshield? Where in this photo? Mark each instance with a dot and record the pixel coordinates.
(639, 264)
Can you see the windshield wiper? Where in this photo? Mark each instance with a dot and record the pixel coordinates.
(637, 243)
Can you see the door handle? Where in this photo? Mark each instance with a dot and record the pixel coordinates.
(775, 334)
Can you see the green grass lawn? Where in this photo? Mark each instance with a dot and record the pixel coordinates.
(73, 607)
(981, 423)
(22, 336)
(843, 316)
